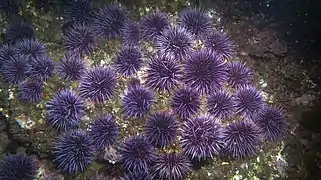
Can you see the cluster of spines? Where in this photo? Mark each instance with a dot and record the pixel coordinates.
(137, 101)
(71, 68)
(163, 73)
(104, 132)
(204, 71)
(109, 21)
(73, 151)
(98, 84)
(18, 166)
(202, 137)
(129, 60)
(138, 154)
(152, 25)
(161, 129)
(65, 110)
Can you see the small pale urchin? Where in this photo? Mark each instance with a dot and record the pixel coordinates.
(163, 73)
(65, 110)
(242, 139)
(186, 103)
(131, 33)
(221, 43)
(196, 21)
(172, 166)
(220, 104)
(41, 68)
(14, 69)
(129, 60)
(271, 121)
(161, 129)
(15, 167)
(98, 84)
(80, 40)
(137, 154)
(104, 132)
(238, 74)
(137, 101)
(202, 137)
(73, 152)
(174, 41)
(109, 20)
(31, 48)
(78, 11)
(31, 91)
(248, 101)
(71, 68)
(152, 25)
(18, 30)
(204, 71)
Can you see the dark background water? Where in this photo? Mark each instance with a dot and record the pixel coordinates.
(297, 20)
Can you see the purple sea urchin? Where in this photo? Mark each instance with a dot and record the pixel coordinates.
(202, 137)
(31, 48)
(196, 21)
(248, 101)
(153, 24)
(18, 167)
(174, 41)
(78, 11)
(163, 73)
(204, 71)
(239, 75)
(73, 152)
(14, 70)
(9, 7)
(221, 43)
(41, 68)
(71, 68)
(161, 129)
(79, 39)
(18, 30)
(271, 122)
(186, 102)
(98, 84)
(220, 104)
(109, 21)
(31, 91)
(65, 110)
(137, 101)
(242, 139)
(131, 33)
(5, 52)
(129, 60)
(172, 166)
(104, 132)
(137, 154)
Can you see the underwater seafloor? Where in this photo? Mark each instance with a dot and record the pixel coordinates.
(278, 68)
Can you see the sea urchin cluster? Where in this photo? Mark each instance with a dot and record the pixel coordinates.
(171, 94)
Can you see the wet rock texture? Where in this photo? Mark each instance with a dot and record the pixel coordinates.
(271, 46)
